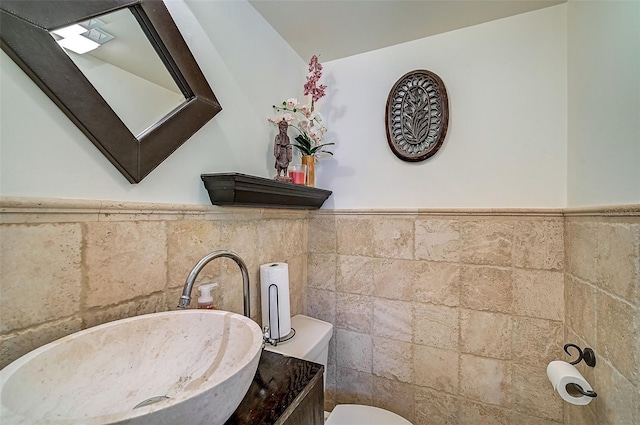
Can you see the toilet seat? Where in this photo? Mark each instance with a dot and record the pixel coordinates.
(356, 414)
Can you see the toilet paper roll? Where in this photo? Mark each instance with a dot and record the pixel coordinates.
(561, 374)
(276, 308)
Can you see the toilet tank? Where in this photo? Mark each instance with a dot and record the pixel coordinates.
(311, 341)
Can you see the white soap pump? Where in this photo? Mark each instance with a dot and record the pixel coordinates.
(206, 300)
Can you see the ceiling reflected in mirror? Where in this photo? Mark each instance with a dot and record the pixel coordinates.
(116, 56)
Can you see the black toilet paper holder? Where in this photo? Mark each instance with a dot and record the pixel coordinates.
(589, 357)
(578, 388)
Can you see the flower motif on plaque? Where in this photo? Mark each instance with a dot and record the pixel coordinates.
(417, 116)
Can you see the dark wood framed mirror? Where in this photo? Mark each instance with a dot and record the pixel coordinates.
(25, 35)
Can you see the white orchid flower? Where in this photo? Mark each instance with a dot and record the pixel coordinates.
(292, 102)
(306, 110)
(316, 134)
(288, 118)
(276, 120)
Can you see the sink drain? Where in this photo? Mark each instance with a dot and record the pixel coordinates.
(151, 400)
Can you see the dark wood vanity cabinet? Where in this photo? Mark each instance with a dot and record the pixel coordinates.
(285, 391)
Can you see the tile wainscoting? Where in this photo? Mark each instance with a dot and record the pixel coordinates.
(66, 265)
(602, 310)
(451, 316)
(443, 316)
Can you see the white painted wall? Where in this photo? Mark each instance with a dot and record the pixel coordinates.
(506, 144)
(603, 166)
(249, 66)
(506, 147)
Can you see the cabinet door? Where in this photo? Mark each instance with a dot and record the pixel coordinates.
(308, 407)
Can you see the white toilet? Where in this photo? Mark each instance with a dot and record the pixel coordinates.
(311, 343)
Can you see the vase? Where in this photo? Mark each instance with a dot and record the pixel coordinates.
(309, 161)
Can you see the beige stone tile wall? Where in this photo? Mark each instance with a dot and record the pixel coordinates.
(443, 319)
(602, 299)
(69, 265)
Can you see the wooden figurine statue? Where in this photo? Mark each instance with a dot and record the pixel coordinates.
(282, 151)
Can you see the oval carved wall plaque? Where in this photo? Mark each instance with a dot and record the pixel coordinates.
(417, 116)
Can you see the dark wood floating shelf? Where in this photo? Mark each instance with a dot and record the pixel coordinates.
(242, 190)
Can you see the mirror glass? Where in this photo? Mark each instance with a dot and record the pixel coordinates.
(118, 59)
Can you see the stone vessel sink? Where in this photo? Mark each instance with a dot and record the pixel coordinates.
(177, 367)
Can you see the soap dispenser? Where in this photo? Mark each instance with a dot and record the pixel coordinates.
(206, 300)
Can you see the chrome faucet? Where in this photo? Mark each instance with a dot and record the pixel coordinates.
(185, 299)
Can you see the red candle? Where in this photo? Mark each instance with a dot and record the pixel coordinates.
(297, 176)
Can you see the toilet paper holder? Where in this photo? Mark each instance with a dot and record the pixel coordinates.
(589, 357)
(575, 387)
